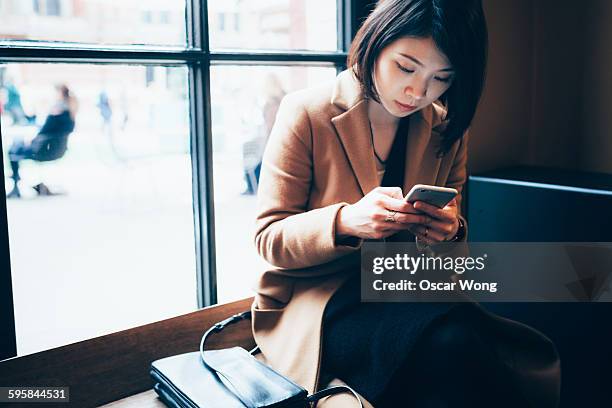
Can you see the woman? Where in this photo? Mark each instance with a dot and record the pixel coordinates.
(51, 141)
(335, 171)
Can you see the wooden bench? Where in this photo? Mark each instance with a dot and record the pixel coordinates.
(114, 369)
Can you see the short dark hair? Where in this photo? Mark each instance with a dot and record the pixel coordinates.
(458, 29)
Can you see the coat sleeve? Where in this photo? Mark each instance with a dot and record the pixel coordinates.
(456, 179)
(287, 234)
(458, 175)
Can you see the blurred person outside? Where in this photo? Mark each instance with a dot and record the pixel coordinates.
(106, 112)
(13, 106)
(51, 141)
(252, 150)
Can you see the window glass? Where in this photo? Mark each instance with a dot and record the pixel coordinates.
(102, 233)
(159, 22)
(273, 24)
(245, 100)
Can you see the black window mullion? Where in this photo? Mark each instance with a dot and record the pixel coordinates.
(59, 54)
(277, 57)
(192, 15)
(345, 27)
(201, 155)
(180, 57)
(203, 199)
(344, 18)
(8, 340)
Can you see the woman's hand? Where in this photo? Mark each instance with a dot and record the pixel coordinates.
(443, 224)
(380, 213)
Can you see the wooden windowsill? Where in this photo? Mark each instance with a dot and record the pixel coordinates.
(147, 399)
(115, 368)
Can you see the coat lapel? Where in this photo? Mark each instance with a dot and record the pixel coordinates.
(353, 129)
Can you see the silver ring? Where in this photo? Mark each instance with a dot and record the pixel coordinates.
(390, 216)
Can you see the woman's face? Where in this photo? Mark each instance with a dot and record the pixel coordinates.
(410, 74)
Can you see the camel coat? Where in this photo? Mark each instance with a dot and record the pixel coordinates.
(320, 158)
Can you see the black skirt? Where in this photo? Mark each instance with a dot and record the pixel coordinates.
(364, 344)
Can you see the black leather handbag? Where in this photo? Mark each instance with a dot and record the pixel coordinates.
(229, 378)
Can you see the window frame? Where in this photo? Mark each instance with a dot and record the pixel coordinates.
(198, 59)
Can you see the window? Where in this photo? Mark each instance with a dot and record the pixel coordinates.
(151, 199)
(275, 24)
(237, 159)
(119, 223)
(128, 22)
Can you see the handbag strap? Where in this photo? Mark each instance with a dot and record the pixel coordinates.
(247, 316)
(336, 389)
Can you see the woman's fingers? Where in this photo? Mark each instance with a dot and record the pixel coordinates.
(399, 205)
(393, 192)
(428, 235)
(421, 237)
(392, 198)
(404, 218)
(448, 213)
(444, 228)
(433, 224)
(403, 212)
(420, 225)
(388, 228)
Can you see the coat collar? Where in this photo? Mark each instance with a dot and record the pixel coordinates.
(353, 128)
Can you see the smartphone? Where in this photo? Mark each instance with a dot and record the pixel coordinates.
(434, 195)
